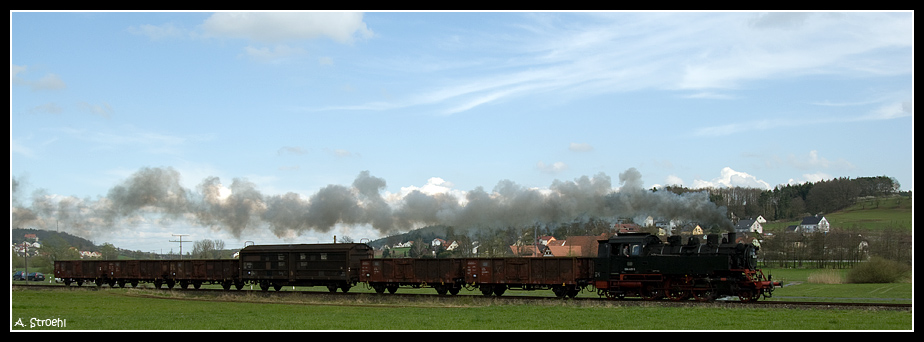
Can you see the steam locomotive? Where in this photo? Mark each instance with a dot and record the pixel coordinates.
(640, 265)
(627, 265)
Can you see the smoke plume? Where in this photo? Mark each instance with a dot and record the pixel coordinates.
(241, 209)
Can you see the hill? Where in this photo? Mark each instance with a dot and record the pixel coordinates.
(18, 235)
(868, 213)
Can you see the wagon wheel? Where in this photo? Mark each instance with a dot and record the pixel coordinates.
(79, 283)
(134, 283)
(277, 287)
(499, 290)
(264, 286)
(184, 284)
(573, 292)
(122, 283)
(454, 290)
(559, 291)
(441, 290)
(158, 283)
(112, 283)
(486, 290)
(239, 285)
(226, 285)
(332, 288)
(197, 284)
(345, 288)
(378, 288)
(392, 288)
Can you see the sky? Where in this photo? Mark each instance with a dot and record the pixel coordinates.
(144, 128)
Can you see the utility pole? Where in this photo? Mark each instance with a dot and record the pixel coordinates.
(181, 242)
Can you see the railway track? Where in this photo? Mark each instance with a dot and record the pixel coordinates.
(629, 302)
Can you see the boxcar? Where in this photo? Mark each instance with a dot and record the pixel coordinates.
(331, 265)
(565, 276)
(444, 275)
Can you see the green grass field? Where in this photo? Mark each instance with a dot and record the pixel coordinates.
(142, 309)
(893, 212)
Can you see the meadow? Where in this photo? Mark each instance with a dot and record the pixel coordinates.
(83, 309)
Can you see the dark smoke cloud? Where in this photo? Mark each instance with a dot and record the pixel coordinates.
(157, 192)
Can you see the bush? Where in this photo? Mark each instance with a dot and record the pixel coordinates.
(878, 270)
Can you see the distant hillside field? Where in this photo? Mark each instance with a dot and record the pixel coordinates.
(875, 213)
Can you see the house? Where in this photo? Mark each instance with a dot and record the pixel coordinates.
(749, 226)
(573, 246)
(691, 229)
(815, 223)
(626, 228)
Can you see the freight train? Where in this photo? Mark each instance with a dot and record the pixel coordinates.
(627, 265)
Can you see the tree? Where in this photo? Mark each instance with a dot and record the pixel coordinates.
(208, 249)
(108, 251)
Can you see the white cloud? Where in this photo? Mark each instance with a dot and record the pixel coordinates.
(48, 82)
(814, 161)
(157, 32)
(274, 27)
(673, 180)
(274, 54)
(553, 168)
(580, 147)
(731, 178)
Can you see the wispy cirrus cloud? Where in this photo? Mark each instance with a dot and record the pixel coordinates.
(708, 55)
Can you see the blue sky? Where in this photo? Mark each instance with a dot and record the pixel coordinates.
(292, 103)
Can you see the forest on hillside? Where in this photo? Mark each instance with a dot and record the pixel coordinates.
(794, 201)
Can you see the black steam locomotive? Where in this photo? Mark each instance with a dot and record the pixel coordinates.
(641, 265)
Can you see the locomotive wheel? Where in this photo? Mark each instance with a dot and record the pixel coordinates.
(748, 295)
(652, 292)
(677, 294)
(703, 295)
